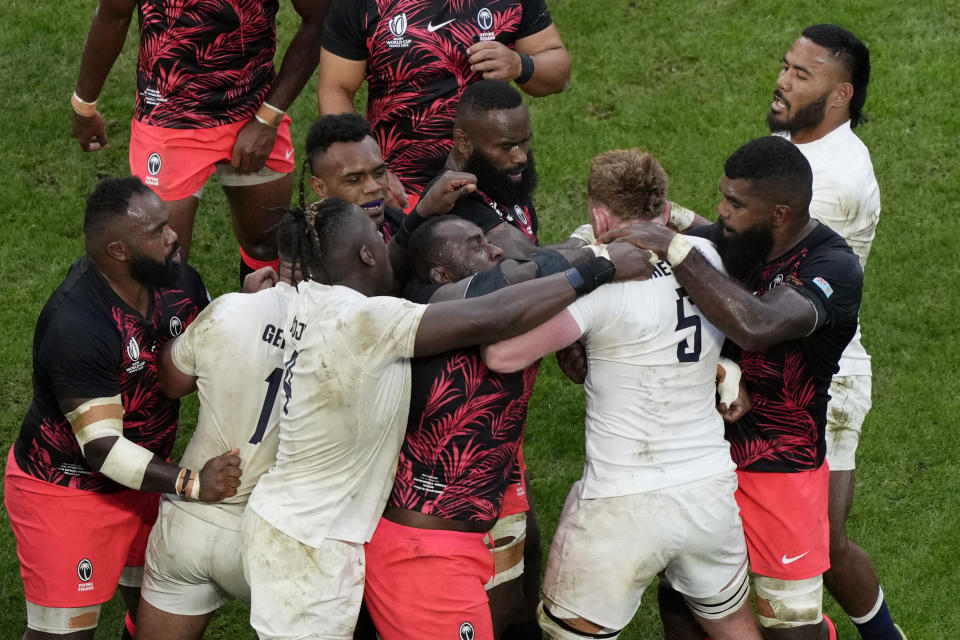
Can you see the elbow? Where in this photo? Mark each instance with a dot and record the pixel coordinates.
(497, 358)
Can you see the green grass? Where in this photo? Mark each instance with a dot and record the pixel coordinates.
(690, 81)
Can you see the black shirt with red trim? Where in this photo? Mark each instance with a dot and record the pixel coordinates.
(789, 382)
(488, 214)
(204, 63)
(89, 343)
(417, 67)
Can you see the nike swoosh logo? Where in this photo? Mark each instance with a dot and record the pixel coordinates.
(786, 560)
(289, 153)
(433, 27)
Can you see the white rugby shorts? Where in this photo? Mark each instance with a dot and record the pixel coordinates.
(193, 566)
(848, 407)
(298, 591)
(607, 550)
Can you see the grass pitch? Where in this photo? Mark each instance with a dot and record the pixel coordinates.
(689, 81)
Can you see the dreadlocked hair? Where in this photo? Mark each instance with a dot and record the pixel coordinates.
(307, 235)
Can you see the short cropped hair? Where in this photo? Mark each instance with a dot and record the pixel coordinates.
(425, 249)
(329, 130)
(774, 165)
(853, 55)
(630, 182)
(485, 96)
(110, 201)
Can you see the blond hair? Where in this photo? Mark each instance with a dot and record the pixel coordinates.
(630, 183)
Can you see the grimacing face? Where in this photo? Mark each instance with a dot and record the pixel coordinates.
(806, 81)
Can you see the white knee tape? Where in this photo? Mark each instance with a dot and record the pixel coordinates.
(784, 604)
(61, 620)
(725, 603)
(554, 627)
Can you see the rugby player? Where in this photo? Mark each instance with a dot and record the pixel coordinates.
(818, 102)
(657, 492)
(789, 310)
(419, 57)
(233, 356)
(84, 477)
(208, 101)
(346, 389)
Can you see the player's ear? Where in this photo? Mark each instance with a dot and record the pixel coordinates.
(439, 275)
(842, 94)
(319, 186)
(366, 256)
(600, 218)
(781, 213)
(118, 250)
(461, 142)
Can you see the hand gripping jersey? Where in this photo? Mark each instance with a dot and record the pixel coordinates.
(788, 382)
(235, 350)
(204, 63)
(90, 344)
(417, 67)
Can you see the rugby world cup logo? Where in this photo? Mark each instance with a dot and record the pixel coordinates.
(398, 25)
(133, 349)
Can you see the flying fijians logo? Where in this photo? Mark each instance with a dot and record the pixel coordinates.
(398, 27)
(176, 326)
(485, 20)
(85, 574)
(154, 163)
(466, 631)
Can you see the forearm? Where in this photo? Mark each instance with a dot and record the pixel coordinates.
(732, 308)
(551, 72)
(105, 40)
(300, 60)
(131, 465)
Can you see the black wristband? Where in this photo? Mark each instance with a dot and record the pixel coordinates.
(410, 223)
(526, 68)
(549, 262)
(591, 275)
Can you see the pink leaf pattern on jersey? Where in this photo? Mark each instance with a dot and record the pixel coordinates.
(204, 63)
(414, 89)
(459, 453)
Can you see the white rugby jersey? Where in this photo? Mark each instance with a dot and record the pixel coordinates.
(235, 350)
(652, 357)
(344, 401)
(846, 198)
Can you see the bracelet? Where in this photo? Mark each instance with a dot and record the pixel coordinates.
(679, 247)
(526, 68)
(269, 115)
(590, 275)
(183, 478)
(81, 107)
(194, 488)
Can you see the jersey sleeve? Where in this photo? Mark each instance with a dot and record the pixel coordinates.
(477, 212)
(344, 29)
(183, 352)
(85, 368)
(386, 328)
(194, 287)
(536, 18)
(593, 311)
(833, 282)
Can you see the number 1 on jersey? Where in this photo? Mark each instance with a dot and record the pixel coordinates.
(273, 387)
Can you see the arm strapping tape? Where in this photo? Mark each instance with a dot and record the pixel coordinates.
(126, 462)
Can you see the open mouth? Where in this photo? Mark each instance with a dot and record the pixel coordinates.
(516, 176)
(779, 104)
(373, 208)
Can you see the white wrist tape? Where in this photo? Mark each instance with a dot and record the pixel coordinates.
(680, 246)
(126, 462)
(584, 232)
(599, 250)
(729, 387)
(680, 217)
(195, 486)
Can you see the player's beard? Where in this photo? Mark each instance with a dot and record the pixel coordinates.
(495, 184)
(745, 251)
(156, 273)
(805, 118)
